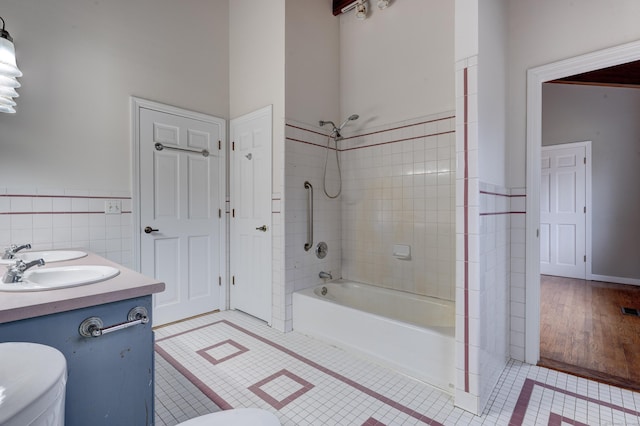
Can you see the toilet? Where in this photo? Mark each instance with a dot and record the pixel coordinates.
(33, 381)
(235, 417)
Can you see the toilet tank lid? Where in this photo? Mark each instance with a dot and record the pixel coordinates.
(32, 376)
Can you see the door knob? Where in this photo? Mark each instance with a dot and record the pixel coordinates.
(262, 228)
(149, 229)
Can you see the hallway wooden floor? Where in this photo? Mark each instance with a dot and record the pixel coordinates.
(584, 332)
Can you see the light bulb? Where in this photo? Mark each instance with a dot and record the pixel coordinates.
(383, 4)
(361, 11)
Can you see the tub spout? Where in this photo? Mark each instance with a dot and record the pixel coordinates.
(324, 275)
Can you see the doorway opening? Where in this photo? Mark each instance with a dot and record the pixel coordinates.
(606, 63)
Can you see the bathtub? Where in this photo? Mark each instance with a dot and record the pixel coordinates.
(409, 333)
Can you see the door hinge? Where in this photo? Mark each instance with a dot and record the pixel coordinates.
(537, 233)
(233, 280)
(233, 146)
(585, 209)
(220, 213)
(585, 257)
(220, 281)
(219, 145)
(585, 160)
(233, 212)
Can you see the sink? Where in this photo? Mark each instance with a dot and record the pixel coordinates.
(48, 256)
(61, 277)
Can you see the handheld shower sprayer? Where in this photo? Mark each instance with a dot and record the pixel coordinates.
(336, 136)
(350, 118)
(335, 133)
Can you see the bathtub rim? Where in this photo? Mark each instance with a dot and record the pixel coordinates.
(443, 330)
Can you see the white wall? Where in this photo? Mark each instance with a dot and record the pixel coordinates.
(312, 39)
(492, 95)
(546, 31)
(398, 63)
(256, 68)
(81, 62)
(607, 116)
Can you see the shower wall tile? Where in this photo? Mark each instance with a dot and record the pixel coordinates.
(469, 329)
(494, 275)
(56, 218)
(517, 272)
(280, 320)
(399, 188)
(304, 159)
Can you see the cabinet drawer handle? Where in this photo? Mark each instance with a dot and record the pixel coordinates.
(94, 327)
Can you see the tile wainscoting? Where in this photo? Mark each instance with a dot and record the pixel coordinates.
(52, 219)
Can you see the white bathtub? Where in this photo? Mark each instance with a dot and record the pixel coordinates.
(410, 333)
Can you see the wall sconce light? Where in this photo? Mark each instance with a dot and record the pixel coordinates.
(361, 10)
(9, 72)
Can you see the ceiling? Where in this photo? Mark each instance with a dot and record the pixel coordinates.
(625, 75)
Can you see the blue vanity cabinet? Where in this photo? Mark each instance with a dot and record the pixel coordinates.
(110, 378)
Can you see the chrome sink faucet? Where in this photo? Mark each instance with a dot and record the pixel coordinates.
(14, 272)
(11, 251)
(324, 275)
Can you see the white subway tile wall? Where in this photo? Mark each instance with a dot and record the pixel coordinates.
(55, 219)
(470, 332)
(305, 158)
(517, 272)
(494, 256)
(399, 188)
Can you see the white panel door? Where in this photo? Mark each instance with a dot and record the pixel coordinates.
(563, 211)
(250, 244)
(180, 202)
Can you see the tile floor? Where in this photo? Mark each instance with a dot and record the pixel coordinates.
(231, 360)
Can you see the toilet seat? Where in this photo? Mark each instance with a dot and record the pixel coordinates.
(33, 380)
(235, 417)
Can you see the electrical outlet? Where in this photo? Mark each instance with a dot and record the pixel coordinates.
(113, 207)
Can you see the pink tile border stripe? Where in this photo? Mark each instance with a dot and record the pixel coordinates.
(466, 230)
(206, 390)
(500, 213)
(204, 351)
(97, 197)
(373, 422)
(218, 400)
(256, 388)
(558, 420)
(372, 133)
(61, 212)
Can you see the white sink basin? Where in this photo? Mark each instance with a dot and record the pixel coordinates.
(61, 277)
(48, 256)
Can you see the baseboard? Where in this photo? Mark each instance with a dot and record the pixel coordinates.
(586, 373)
(616, 280)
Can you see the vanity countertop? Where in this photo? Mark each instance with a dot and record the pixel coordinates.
(128, 284)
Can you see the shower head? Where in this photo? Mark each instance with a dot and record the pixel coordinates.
(351, 118)
(335, 132)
